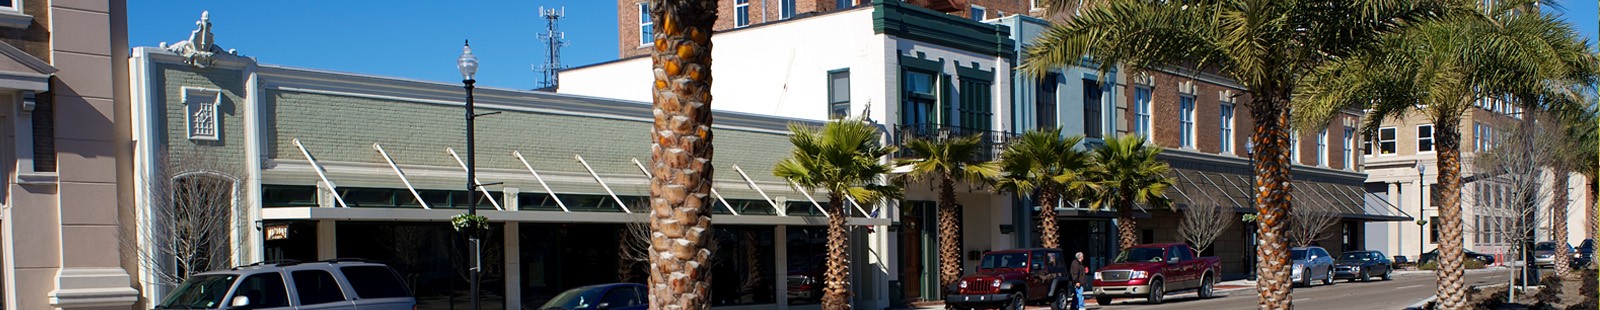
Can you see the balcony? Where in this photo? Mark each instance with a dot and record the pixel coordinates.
(992, 142)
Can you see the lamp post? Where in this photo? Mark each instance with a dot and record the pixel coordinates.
(1422, 203)
(468, 64)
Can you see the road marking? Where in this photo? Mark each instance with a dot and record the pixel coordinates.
(1408, 286)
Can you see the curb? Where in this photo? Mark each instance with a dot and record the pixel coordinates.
(1420, 304)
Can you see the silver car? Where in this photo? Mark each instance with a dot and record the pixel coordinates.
(334, 284)
(1311, 264)
(1544, 253)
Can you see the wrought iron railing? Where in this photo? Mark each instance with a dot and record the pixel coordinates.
(992, 142)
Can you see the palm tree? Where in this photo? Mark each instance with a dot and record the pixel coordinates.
(842, 158)
(1128, 173)
(1440, 68)
(680, 161)
(947, 161)
(1575, 152)
(1049, 167)
(1267, 46)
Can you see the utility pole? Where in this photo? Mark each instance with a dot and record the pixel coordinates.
(553, 40)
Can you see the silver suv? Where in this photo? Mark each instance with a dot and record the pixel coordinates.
(332, 284)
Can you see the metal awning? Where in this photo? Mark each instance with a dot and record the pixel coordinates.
(1351, 202)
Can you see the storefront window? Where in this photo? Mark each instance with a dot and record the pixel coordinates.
(273, 196)
(430, 258)
(742, 266)
(807, 256)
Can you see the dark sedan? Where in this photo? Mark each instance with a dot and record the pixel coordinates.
(1362, 266)
(615, 296)
(1585, 254)
(1486, 259)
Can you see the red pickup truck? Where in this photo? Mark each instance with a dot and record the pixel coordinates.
(1011, 279)
(1153, 270)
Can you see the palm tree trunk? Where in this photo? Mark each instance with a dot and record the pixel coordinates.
(1127, 229)
(836, 290)
(1272, 165)
(1047, 219)
(1558, 219)
(949, 234)
(1451, 292)
(680, 213)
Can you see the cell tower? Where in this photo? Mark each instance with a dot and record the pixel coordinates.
(553, 40)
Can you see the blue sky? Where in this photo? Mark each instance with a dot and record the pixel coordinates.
(420, 40)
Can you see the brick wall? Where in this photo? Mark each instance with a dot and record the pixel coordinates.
(1208, 108)
(766, 11)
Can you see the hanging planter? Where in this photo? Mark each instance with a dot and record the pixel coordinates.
(469, 223)
(1248, 217)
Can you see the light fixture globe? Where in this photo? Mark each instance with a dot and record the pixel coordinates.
(468, 63)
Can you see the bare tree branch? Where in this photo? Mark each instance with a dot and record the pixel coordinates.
(1309, 223)
(1203, 222)
(187, 221)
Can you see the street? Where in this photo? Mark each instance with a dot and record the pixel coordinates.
(1402, 291)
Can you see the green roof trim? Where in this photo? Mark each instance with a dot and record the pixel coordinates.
(910, 21)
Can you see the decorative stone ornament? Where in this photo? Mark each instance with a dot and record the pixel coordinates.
(199, 50)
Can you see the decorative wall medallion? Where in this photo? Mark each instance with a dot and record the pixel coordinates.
(201, 119)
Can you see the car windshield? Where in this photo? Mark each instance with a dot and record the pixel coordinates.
(1364, 256)
(1588, 244)
(1006, 260)
(1544, 246)
(1299, 254)
(199, 292)
(577, 298)
(1140, 255)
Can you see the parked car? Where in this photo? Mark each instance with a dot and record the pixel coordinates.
(614, 296)
(1426, 258)
(332, 284)
(1014, 278)
(1544, 253)
(1310, 264)
(805, 279)
(1585, 254)
(1362, 265)
(1153, 270)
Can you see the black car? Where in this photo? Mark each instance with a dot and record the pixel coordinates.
(1362, 265)
(615, 296)
(1486, 259)
(1585, 254)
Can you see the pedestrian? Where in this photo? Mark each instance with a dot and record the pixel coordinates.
(1080, 279)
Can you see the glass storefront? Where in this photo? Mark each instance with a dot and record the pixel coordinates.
(807, 249)
(432, 258)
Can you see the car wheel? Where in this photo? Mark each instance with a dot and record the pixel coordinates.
(1366, 275)
(1017, 302)
(1061, 301)
(1207, 289)
(1387, 272)
(1329, 279)
(1102, 300)
(1157, 291)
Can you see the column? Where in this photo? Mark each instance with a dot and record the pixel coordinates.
(780, 266)
(327, 241)
(513, 252)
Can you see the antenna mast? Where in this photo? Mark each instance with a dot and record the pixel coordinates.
(553, 40)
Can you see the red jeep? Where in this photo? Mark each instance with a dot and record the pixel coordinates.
(1014, 278)
(1153, 270)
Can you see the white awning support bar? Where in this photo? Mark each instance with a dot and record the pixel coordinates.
(853, 202)
(596, 176)
(485, 191)
(320, 174)
(714, 193)
(536, 176)
(401, 174)
(803, 192)
(1221, 191)
(752, 183)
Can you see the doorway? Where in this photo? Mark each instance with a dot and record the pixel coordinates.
(1091, 236)
(919, 248)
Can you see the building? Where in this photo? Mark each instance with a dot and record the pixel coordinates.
(1402, 164)
(917, 72)
(321, 165)
(64, 91)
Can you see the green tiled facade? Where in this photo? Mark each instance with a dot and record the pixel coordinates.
(230, 109)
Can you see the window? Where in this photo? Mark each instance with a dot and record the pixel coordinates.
(621, 298)
(1091, 109)
(842, 4)
(1141, 112)
(1186, 121)
(202, 112)
(1366, 145)
(265, 290)
(1386, 138)
(316, 287)
(917, 106)
(977, 13)
(646, 31)
(1349, 148)
(1046, 101)
(1322, 148)
(1225, 123)
(741, 13)
(1433, 230)
(785, 9)
(839, 94)
(374, 282)
(1424, 138)
(1294, 146)
(973, 110)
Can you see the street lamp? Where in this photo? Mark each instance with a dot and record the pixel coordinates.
(468, 64)
(1422, 203)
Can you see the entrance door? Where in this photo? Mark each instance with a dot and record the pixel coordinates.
(1090, 236)
(919, 259)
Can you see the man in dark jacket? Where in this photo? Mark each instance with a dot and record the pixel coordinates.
(1080, 278)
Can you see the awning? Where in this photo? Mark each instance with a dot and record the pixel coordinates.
(1350, 201)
